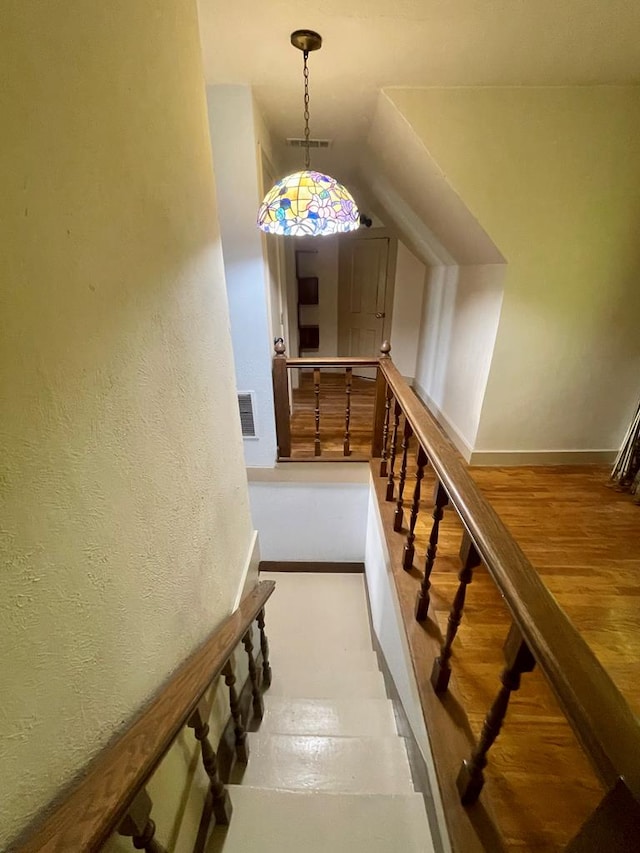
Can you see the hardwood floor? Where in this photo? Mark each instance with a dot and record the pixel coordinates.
(540, 787)
(584, 539)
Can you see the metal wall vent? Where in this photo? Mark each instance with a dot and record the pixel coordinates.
(247, 421)
(299, 142)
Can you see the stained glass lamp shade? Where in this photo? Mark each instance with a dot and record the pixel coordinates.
(309, 204)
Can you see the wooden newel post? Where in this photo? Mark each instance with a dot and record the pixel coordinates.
(379, 411)
(518, 659)
(280, 374)
(138, 825)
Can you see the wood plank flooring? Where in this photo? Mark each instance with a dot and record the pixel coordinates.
(540, 786)
(584, 539)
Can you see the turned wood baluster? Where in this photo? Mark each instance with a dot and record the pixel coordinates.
(242, 748)
(264, 648)
(138, 825)
(258, 704)
(518, 660)
(409, 550)
(219, 795)
(398, 517)
(397, 411)
(348, 377)
(441, 672)
(317, 450)
(440, 500)
(385, 433)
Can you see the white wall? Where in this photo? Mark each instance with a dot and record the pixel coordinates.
(232, 128)
(552, 174)
(273, 247)
(386, 618)
(457, 338)
(408, 299)
(465, 274)
(303, 513)
(125, 519)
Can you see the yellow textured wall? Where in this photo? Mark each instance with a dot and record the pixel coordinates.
(124, 523)
(553, 175)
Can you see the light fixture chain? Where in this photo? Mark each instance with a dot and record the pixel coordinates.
(307, 158)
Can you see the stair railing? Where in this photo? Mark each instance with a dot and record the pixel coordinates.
(540, 634)
(282, 365)
(111, 794)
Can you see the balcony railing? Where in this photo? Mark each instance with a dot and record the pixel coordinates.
(540, 634)
(111, 796)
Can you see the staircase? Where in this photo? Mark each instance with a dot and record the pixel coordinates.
(327, 771)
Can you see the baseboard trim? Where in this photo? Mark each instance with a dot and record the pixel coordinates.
(514, 458)
(325, 568)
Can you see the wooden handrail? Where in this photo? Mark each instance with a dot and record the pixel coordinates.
(332, 361)
(93, 808)
(595, 708)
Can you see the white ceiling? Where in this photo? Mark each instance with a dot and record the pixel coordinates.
(370, 44)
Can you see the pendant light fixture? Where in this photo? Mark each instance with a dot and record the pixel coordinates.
(307, 203)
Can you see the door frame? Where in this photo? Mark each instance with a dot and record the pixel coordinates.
(392, 254)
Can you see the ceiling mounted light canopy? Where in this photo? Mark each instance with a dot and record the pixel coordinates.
(307, 203)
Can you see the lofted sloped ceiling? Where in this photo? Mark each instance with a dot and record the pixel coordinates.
(371, 44)
(415, 197)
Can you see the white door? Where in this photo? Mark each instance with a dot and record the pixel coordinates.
(362, 297)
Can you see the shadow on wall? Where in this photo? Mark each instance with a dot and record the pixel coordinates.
(458, 331)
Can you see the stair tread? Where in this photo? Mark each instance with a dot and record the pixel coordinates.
(266, 821)
(343, 717)
(376, 765)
